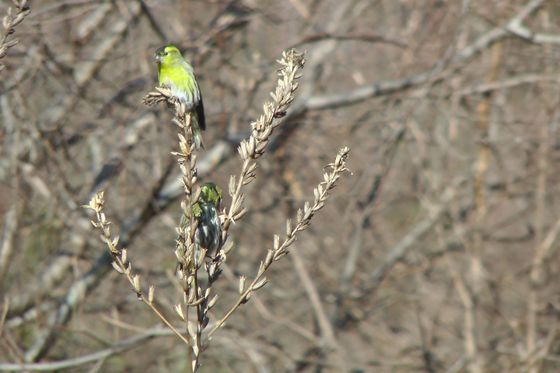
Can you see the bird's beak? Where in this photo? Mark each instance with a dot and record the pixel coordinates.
(157, 57)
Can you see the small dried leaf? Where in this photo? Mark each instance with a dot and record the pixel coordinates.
(269, 257)
(246, 298)
(241, 284)
(227, 247)
(252, 167)
(151, 292)
(7, 21)
(242, 149)
(179, 311)
(248, 179)
(293, 238)
(260, 284)
(239, 214)
(213, 301)
(127, 268)
(280, 255)
(136, 283)
(117, 267)
(262, 267)
(232, 185)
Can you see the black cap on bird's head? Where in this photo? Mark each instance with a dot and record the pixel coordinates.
(167, 50)
(160, 51)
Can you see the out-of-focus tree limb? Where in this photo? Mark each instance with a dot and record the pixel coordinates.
(84, 72)
(52, 276)
(116, 348)
(527, 34)
(401, 249)
(331, 101)
(154, 24)
(364, 37)
(356, 243)
(12, 220)
(92, 22)
(508, 83)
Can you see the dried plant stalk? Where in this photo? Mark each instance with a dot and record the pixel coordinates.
(280, 249)
(253, 147)
(192, 258)
(190, 255)
(9, 22)
(121, 262)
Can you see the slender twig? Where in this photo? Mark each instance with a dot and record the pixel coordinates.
(120, 260)
(281, 249)
(115, 349)
(9, 22)
(189, 255)
(253, 147)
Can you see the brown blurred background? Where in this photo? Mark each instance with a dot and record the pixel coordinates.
(438, 254)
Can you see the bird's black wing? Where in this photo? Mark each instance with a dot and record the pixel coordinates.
(200, 114)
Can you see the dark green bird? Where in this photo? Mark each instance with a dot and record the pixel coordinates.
(177, 74)
(206, 211)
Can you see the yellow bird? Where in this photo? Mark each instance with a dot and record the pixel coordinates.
(177, 74)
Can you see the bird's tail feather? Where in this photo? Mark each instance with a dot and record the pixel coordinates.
(197, 134)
